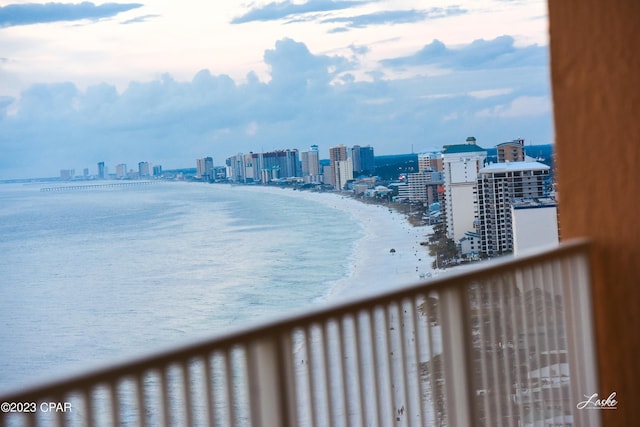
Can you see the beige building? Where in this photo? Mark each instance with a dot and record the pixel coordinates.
(311, 164)
(512, 151)
(337, 154)
(430, 162)
(344, 173)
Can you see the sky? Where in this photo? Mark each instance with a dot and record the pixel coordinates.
(168, 82)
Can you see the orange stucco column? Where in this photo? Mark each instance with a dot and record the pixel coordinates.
(595, 70)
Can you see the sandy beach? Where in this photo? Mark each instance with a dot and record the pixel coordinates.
(389, 254)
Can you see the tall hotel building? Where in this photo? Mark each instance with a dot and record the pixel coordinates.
(512, 151)
(121, 171)
(499, 186)
(67, 174)
(339, 166)
(311, 164)
(102, 170)
(256, 167)
(280, 164)
(430, 162)
(363, 159)
(204, 168)
(145, 169)
(423, 186)
(461, 163)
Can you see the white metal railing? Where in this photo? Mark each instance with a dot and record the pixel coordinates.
(509, 343)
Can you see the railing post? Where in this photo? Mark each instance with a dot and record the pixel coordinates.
(455, 357)
(268, 383)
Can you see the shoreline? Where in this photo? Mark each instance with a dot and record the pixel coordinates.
(387, 255)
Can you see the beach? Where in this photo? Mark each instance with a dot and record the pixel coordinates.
(389, 252)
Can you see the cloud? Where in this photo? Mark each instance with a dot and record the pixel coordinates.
(294, 67)
(395, 17)
(139, 19)
(310, 99)
(37, 13)
(523, 106)
(46, 101)
(487, 93)
(359, 50)
(379, 18)
(480, 54)
(287, 9)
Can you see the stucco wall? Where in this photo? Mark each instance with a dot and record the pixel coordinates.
(595, 63)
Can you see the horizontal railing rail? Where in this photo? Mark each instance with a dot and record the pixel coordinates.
(508, 342)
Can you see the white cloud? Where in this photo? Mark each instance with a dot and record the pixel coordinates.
(450, 116)
(522, 106)
(488, 93)
(82, 98)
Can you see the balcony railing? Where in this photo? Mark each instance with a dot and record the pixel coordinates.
(507, 343)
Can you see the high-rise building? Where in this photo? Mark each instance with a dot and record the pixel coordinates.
(363, 159)
(280, 164)
(145, 170)
(67, 174)
(328, 176)
(498, 186)
(344, 173)
(102, 173)
(423, 186)
(244, 167)
(199, 167)
(235, 168)
(461, 163)
(337, 154)
(430, 162)
(252, 164)
(512, 151)
(121, 171)
(204, 168)
(256, 167)
(311, 164)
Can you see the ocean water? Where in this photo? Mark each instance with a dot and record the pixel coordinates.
(92, 276)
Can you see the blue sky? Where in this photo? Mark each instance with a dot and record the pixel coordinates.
(168, 82)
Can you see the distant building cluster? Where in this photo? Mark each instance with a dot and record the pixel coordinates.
(292, 166)
(145, 170)
(497, 208)
(488, 205)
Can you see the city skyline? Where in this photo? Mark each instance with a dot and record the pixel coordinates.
(120, 170)
(87, 82)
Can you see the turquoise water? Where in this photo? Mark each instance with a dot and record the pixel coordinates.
(92, 276)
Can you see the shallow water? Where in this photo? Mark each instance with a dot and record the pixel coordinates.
(90, 276)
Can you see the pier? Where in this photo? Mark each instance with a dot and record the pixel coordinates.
(99, 186)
